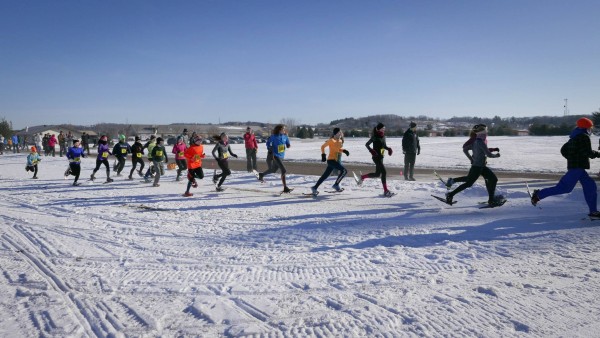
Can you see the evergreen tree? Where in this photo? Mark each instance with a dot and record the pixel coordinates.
(5, 128)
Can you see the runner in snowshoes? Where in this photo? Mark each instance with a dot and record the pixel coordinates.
(479, 167)
(578, 152)
(335, 148)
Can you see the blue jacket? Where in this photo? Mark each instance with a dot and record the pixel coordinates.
(74, 154)
(278, 144)
(33, 159)
(15, 139)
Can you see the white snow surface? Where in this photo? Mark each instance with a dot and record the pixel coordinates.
(129, 259)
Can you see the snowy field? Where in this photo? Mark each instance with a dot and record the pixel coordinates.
(126, 259)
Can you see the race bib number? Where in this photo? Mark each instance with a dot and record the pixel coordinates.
(159, 153)
(123, 151)
(225, 155)
(77, 159)
(382, 151)
(281, 148)
(105, 154)
(197, 158)
(180, 154)
(139, 155)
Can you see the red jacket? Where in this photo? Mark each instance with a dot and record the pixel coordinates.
(250, 141)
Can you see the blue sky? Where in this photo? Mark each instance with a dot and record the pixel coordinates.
(128, 61)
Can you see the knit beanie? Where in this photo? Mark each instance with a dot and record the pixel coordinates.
(585, 123)
(335, 131)
(379, 126)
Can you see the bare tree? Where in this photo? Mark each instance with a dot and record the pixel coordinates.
(290, 123)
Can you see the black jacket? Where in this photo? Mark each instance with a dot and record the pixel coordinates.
(580, 152)
(410, 142)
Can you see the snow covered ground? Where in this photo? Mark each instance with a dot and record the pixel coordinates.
(127, 259)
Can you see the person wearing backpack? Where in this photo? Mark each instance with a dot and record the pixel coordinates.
(577, 151)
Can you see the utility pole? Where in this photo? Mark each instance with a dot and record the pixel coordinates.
(566, 113)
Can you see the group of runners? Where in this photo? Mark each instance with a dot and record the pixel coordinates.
(190, 152)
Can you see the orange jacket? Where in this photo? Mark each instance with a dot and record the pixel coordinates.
(194, 156)
(335, 148)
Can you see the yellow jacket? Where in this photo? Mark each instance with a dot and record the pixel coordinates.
(335, 148)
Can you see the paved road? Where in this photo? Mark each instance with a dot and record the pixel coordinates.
(393, 172)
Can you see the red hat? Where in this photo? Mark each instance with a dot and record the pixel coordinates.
(33, 149)
(584, 122)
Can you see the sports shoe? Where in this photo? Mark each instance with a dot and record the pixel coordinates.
(218, 188)
(594, 214)
(156, 185)
(67, 173)
(261, 177)
(34, 177)
(130, 178)
(108, 180)
(337, 187)
(119, 175)
(215, 178)
(448, 198)
(194, 184)
(388, 193)
(188, 194)
(287, 190)
(92, 177)
(411, 179)
(177, 178)
(449, 182)
(76, 184)
(314, 191)
(140, 173)
(147, 179)
(535, 198)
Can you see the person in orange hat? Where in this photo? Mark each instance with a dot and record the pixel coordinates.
(577, 151)
(32, 162)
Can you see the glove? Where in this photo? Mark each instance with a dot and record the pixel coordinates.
(323, 158)
(498, 155)
(390, 151)
(234, 155)
(495, 149)
(346, 152)
(373, 152)
(418, 152)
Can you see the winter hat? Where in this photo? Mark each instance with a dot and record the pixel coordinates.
(379, 126)
(335, 131)
(159, 140)
(196, 139)
(152, 137)
(413, 125)
(185, 130)
(479, 128)
(33, 149)
(122, 137)
(585, 123)
(103, 138)
(179, 138)
(137, 138)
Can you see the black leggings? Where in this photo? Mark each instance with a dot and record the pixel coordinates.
(99, 163)
(120, 164)
(182, 165)
(75, 170)
(134, 162)
(379, 169)
(224, 165)
(332, 164)
(192, 175)
(471, 178)
(276, 165)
